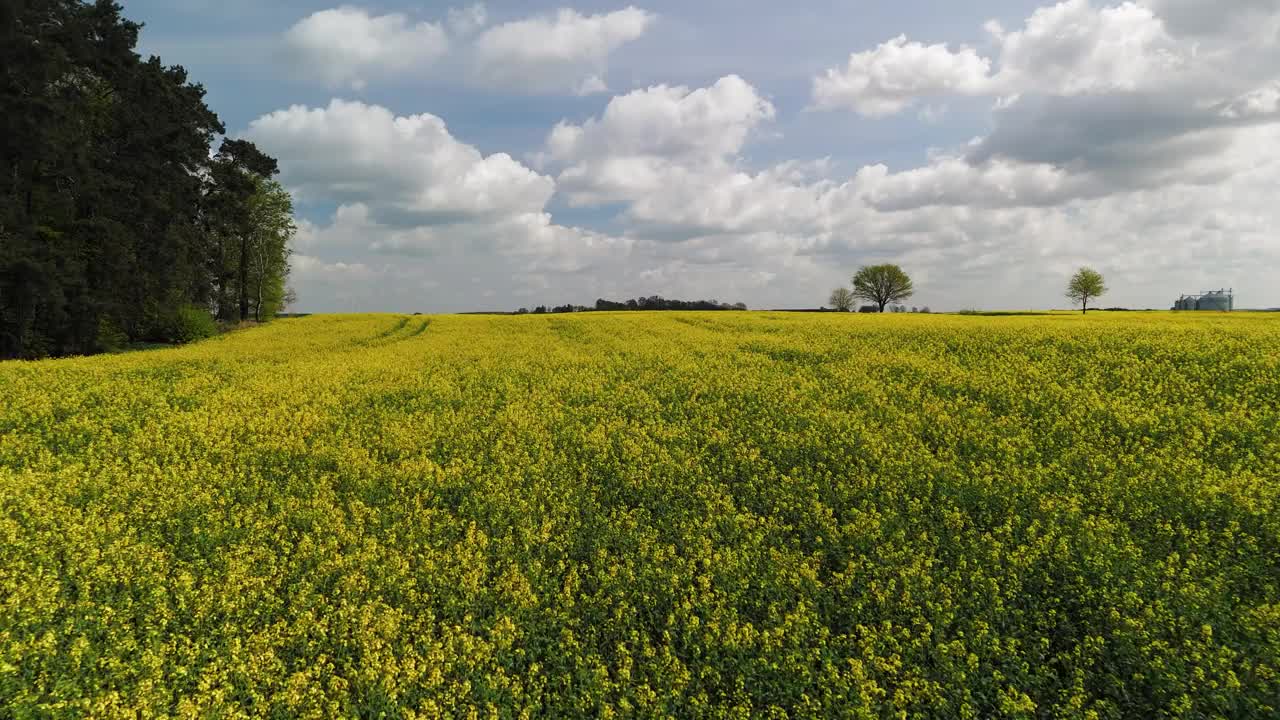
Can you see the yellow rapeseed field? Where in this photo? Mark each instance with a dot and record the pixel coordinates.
(633, 515)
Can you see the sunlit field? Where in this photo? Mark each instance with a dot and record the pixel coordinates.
(685, 515)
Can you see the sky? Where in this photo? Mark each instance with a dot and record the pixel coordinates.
(467, 157)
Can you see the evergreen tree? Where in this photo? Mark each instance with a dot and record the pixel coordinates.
(114, 222)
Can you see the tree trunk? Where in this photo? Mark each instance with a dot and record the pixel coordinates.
(244, 277)
(31, 191)
(258, 291)
(222, 279)
(882, 304)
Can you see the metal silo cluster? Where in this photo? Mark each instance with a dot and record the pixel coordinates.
(1211, 300)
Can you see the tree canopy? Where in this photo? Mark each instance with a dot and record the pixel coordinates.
(115, 223)
(882, 284)
(1087, 284)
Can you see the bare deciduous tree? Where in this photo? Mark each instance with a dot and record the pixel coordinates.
(841, 299)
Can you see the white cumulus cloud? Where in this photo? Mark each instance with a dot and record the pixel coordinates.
(894, 75)
(408, 166)
(641, 136)
(406, 188)
(347, 46)
(562, 52)
(555, 52)
(1072, 48)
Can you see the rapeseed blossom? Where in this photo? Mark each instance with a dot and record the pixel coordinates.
(650, 515)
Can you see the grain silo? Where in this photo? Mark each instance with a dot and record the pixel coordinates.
(1210, 300)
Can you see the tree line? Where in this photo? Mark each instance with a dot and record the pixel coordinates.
(117, 224)
(655, 302)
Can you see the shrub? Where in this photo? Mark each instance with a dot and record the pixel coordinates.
(189, 323)
(110, 337)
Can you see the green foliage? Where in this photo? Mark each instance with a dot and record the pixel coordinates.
(109, 202)
(189, 324)
(1084, 286)
(110, 337)
(719, 515)
(882, 284)
(271, 220)
(251, 221)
